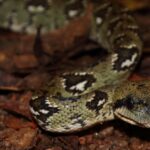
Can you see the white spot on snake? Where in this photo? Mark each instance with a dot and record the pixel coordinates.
(50, 104)
(83, 73)
(101, 102)
(89, 121)
(91, 98)
(66, 106)
(35, 8)
(51, 127)
(133, 27)
(34, 97)
(80, 73)
(63, 81)
(72, 13)
(33, 111)
(129, 62)
(80, 86)
(114, 58)
(73, 121)
(129, 46)
(99, 20)
(31, 30)
(16, 27)
(54, 129)
(77, 73)
(74, 126)
(43, 111)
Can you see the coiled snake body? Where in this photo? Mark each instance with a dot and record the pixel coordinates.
(78, 99)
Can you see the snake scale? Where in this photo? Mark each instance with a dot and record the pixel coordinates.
(77, 99)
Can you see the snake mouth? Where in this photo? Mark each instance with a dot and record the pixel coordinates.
(140, 123)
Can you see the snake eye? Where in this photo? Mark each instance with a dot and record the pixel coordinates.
(134, 110)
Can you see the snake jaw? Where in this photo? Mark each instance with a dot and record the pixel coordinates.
(136, 121)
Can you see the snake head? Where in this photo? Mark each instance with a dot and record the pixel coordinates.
(135, 107)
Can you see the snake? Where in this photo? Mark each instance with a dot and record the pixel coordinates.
(77, 99)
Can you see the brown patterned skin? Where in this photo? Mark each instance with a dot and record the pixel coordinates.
(75, 100)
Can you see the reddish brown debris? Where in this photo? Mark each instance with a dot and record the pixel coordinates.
(9, 82)
(17, 139)
(17, 123)
(25, 61)
(17, 103)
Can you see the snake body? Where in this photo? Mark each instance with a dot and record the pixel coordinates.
(77, 99)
